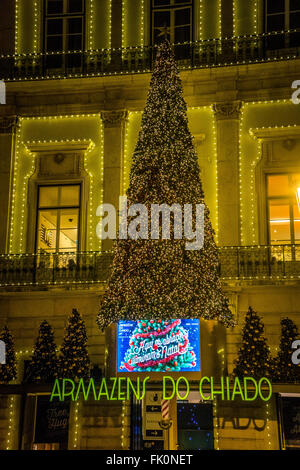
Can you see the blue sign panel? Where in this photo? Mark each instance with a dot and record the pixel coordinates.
(158, 346)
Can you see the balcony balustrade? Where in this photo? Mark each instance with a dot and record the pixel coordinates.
(237, 263)
(198, 54)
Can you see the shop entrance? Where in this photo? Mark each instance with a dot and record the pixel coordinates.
(195, 429)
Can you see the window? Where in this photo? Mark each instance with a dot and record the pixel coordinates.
(283, 15)
(64, 31)
(171, 18)
(58, 219)
(283, 208)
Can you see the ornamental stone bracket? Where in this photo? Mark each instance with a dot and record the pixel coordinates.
(227, 110)
(114, 118)
(8, 124)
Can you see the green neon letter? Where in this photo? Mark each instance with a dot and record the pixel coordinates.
(239, 392)
(200, 388)
(270, 389)
(121, 395)
(164, 389)
(105, 393)
(187, 388)
(246, 388)
(58, 394)
(144, 387)
(86, 392)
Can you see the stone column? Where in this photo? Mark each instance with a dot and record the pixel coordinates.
(227, 116)
(7, 138)
(114, 133)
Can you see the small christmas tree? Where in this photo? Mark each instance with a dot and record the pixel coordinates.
(8, 371)
(74, 360)
(160, 346)
(253, 356)
(283, 369)
(42, 367)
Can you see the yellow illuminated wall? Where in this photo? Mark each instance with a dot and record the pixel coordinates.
(245, 17)
(87, 128)
(281, 113)
(202, 126)
(133, 22)
(136, 21)
(28, 26)
(208, 19)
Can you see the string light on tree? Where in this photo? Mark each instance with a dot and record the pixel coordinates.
(254, 355)
(153, 279)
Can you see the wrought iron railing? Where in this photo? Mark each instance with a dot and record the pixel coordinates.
(199, 54)
(87, 268)
(260, 262)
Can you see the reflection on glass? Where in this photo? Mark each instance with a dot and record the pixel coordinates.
(58, 224)
(279, 222)
(47, 230)
(278, 185)
(48, 196)
(297, 223)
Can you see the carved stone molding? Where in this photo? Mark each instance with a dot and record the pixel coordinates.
(113, 118)
(228, 110)
(7, 124)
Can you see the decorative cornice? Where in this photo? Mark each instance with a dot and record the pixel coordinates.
(8, 124)
(227, 110)
(113, 118)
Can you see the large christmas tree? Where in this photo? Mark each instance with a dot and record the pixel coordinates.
(254, 355)
(154, 279)
(74, 360)
(8, 371)
(283, 369)
(42, 367)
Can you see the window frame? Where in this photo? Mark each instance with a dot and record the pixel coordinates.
(64, 16)
(58, 208)
(287, 12)
(172, 7)
(291, 203)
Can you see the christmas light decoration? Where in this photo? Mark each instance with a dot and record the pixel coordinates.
(201, 10)
(142, 21)
(8, 371)
(236, 6)
(216, 424)
(154, 279)
(76, 425)
(249, 159)
(74, 359)
(91, 24)
(11, 422)
(254, 354)
(268, 424)
(22, 172)
(43, 365)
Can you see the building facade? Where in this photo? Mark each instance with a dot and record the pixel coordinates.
(76, 74)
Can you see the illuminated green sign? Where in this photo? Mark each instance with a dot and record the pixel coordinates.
(120, 388)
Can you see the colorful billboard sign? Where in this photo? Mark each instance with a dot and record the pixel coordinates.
(158, 346)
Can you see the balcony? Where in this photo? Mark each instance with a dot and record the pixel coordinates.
(240, 50)
(249, 263)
